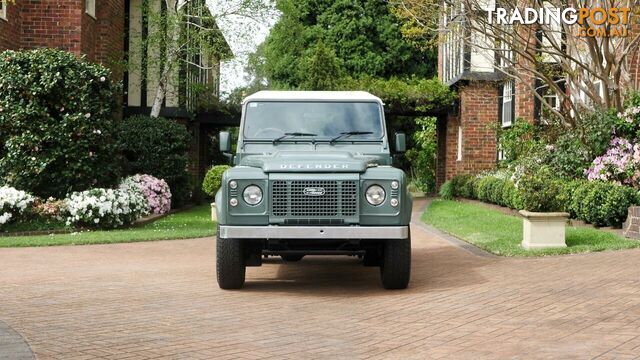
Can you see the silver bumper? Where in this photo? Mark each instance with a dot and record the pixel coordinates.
(313, 232)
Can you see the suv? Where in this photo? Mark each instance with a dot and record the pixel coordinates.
(313, 175)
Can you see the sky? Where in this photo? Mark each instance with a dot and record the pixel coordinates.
(243, 36)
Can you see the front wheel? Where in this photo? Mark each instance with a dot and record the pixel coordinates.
(230, 263)
(395, 268)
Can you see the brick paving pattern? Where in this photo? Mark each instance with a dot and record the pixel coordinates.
(160, 300)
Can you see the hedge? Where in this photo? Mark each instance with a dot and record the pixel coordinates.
(596, 202)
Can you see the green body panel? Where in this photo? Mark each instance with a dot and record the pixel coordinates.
(365, 162)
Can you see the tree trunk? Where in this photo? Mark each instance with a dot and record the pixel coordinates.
(158, 99)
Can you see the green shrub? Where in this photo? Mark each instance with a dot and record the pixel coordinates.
(463, 186)
(447, 191)
(423, 155)
(539, 191)
(213, 179)
(602, 203)
(56, 123)
(158, 147)
(510, 196)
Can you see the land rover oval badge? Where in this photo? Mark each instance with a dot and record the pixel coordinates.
(314, 191)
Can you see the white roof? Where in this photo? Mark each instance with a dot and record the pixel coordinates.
(268, 95)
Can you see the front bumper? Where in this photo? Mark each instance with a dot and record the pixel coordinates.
(313, 232)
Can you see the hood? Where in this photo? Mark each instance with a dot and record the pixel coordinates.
(318, 161)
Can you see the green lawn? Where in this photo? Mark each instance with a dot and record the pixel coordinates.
(191, 223)
(501, 234)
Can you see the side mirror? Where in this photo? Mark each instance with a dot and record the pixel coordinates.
(225, 142)
(401, 142)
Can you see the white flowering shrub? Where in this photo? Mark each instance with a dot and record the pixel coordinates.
(13, 203)
(105, 208)
(155, 191)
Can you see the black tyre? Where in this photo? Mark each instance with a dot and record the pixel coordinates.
(291, 258)
(395, 268)
(230, 263)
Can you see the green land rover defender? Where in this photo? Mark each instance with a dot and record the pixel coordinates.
(313, 175)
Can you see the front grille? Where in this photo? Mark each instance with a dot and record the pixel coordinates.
(338, 198)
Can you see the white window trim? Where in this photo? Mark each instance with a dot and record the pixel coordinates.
(459, 144)
(501, 156)
(90, 8)
(3, 11)
(507, 98)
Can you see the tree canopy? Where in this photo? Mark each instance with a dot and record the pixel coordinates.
(315, 42)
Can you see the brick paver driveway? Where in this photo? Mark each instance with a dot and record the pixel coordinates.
(160, 299)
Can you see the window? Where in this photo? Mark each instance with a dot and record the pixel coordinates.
(3, 9)
(459, 157)
(501, 156)
(506, 115)
(90, 7)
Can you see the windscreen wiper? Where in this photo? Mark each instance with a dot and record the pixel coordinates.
(277, 140)
(349, 133)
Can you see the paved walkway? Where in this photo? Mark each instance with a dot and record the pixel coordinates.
(160, 300)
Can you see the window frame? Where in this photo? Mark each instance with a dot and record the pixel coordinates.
(459, 144)
(90, 8)
(3, 10)
(508, 100)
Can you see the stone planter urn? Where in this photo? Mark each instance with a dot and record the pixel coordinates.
(214, 214)
(543, 230)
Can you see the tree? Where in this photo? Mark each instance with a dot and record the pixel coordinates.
(554, 57)
(322, 70)
(358, 38)
(186, 33)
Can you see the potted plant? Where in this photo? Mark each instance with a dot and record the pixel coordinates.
(544, 221)
(211, 184)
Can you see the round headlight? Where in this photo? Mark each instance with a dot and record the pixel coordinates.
(252, 195)
(375, 195)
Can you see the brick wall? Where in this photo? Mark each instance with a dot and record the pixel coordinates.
(52, 23)
(477, 116)
(10, 29)
(64, 25)
(110, 36)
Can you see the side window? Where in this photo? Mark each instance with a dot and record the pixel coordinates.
(459, 150)
(506, 115)
(3, 9)
(90, 7)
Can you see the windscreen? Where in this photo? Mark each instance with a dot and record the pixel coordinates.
(271, 120)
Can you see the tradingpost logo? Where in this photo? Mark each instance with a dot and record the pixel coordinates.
(592, 22)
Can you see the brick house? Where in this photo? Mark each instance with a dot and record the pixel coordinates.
(467, 142)
(101, 31)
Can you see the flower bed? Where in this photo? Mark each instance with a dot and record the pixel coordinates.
(106, 208)
(13, 203)
(155, 191)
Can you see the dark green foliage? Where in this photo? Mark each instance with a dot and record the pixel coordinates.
(364, 36)
(404, 95)
(520, 140)
(602, 203)
(446, 190)
(213, 179)
(597, 202)
(539, 191)
(423, 155)
(322, 69)
(56, 123)
(158, 147)
(464, 186)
